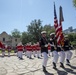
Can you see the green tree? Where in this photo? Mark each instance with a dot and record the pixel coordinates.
(16, 33)
(71, 38)
(74, 3)
(74, 35)
(34, 30)
(26, 37)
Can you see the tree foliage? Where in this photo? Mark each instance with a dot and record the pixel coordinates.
(74, 3)
(16, 33)
(33, 33)
(24, 37)
(72, 38)
(34, 29)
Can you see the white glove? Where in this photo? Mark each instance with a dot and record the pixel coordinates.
(46, 45)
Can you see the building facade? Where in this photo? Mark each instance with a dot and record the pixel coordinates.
(9, 40)
(70, 30)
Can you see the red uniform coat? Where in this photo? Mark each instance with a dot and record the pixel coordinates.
(3, 46)
(20, 48)
(34, 47)
(38, 48)
(0, 45)
(28, 47)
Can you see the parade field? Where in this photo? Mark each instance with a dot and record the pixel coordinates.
(13, 66)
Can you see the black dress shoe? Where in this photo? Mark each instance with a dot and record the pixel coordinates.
(44, 69)
(34, 56)
(61, 65)
(67, 60)
(30, 58)
(21, 58)
(55, 68)
(68, 64)
(54, 65)
(38, 57)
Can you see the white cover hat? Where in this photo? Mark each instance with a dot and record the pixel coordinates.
(43, 32)
(52, 34)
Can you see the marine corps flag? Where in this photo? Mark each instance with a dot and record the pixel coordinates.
(61, 19)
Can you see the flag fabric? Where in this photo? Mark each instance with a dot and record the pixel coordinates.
(61, 19)
(58, 27)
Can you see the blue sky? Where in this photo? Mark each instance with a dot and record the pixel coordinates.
(19, 13)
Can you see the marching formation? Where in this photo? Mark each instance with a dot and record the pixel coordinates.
(64, 52)
(42, 49)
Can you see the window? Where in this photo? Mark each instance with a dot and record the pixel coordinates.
(3, 39)
(15, 40)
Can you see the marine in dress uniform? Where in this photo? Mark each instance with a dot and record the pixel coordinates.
(29, 50)
(9, 50)
(67, 49)
(26, 50)
(3, 50)
(44, 49)
(34, 49)
(38, 49)
(52, 42)
(20, 50)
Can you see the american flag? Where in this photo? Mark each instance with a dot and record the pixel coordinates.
(56, 25)
(58, 28)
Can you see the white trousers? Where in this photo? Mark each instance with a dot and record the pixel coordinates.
(20, 53)
(8, 54)
(34, 53)
(68, 55)
(29, 54)
(55, 56)
(62, 56)
(45, 59)
(48, 52)
(38, 53)
(26, 53)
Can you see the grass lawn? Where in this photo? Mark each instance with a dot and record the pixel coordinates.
(12, 51)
